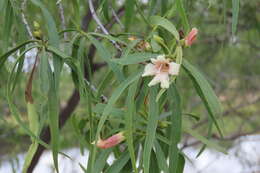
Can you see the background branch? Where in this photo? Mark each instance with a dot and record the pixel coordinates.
(24, 20)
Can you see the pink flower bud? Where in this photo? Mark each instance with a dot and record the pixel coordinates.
(191, 37)
(111, 141)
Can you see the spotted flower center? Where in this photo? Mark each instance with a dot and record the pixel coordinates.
(162, 66)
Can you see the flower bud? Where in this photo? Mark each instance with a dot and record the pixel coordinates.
(191, 37)
(111, 141)
(36, 25)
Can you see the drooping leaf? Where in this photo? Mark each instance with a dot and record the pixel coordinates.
(115, 96)
(204, 140)
(135, 58)
(161, 159)
(205, 91)
(151, 129)
(53, 109)
(118, 165)
(235, 12)
(7, 27)
(166, 24)
(183, 15)
(106, 56)
(129, 12)
(102, 160)
(176, 127)
(131, 111)
(4, 57)
(29, 156)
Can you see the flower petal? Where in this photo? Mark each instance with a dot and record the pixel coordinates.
(154, 81)
(161, 58)
(149, 70)
(162, 78)
(174, 68)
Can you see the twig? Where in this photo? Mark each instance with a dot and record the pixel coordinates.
(104, 30)
(63, 22)
(117, 18)
(24, 20)
(93, 88)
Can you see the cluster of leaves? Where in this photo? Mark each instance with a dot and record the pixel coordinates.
(151, 119)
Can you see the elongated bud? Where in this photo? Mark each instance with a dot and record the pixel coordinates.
(36, 25)
(111, 141)
(191, 37)
(158, 39)
(132, 38)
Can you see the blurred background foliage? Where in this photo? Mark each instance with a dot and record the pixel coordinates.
(229, 61)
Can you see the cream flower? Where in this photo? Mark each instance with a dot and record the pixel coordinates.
(161, 68)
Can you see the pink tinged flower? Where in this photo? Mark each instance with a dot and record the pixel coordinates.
(111, 141)
(161, 68)
(191, 37)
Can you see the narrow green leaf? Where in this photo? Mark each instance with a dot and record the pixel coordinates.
(29, 156)
(204, 140)
(151, 128)
(205, 91)
(210, 124)
(17, 116)
(129, 12)
(166, 24)
(180, 164)
(58, 52)
(154, 167)
(7, 27)
(164, 6)
(152, 7)
(135, 58)
(109, 37)
(118, 165)
(129, 48)
(4, 57)
(115, 112)
(106, 56)
(176, 127)
(34, 127)
(43, 72)
(102, 160)
(53, 108)
(14, 78)
(105, 9)
(116, 94)
(235, 12)
(196, 117)
(131, 111)
(33, 119)
(103, 84)
(183, 14)
(53, 36)
(161, 159)
(3, 5)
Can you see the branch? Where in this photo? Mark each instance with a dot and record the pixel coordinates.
(63, 22)
(117, 18)
(104, 30)
(93, 88)
(24, 20)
